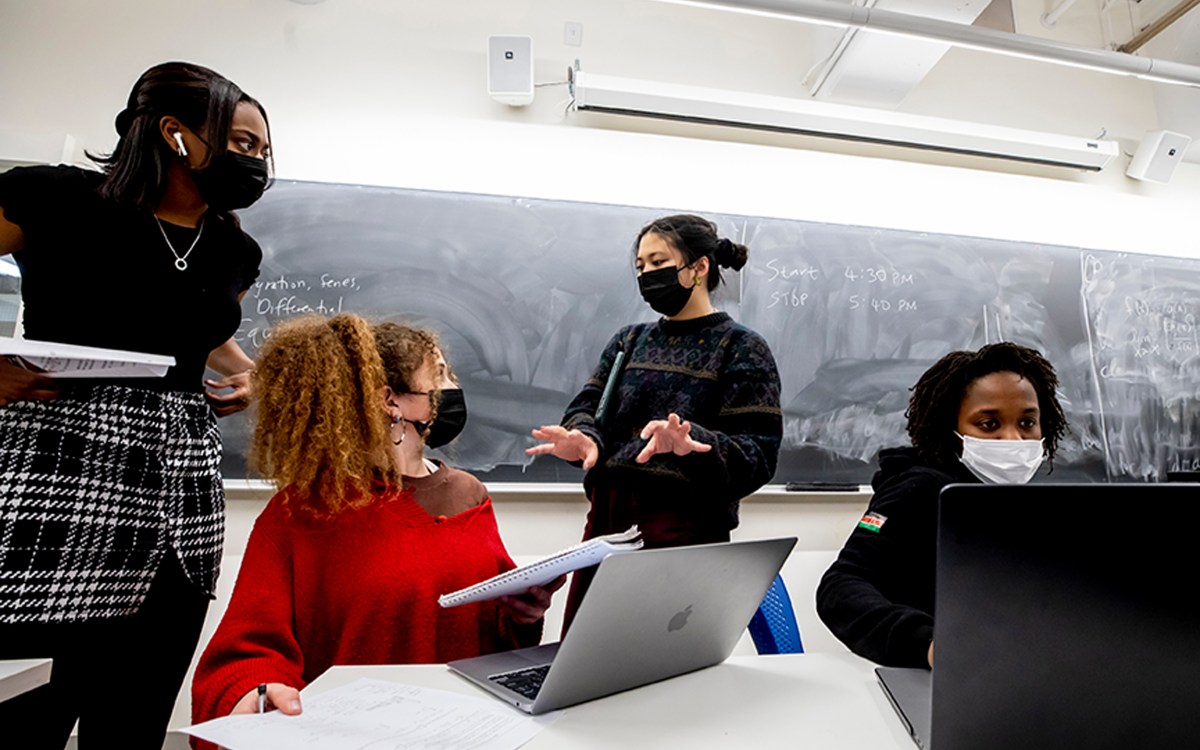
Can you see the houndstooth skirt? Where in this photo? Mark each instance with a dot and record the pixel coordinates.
(95, 487)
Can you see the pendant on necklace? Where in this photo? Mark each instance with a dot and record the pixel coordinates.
(181, 263)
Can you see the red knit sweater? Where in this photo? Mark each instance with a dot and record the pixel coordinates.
(360, 588)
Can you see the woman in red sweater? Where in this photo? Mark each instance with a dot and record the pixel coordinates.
(345, 564)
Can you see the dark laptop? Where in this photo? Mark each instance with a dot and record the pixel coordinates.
(1065, 618)
(648, 615)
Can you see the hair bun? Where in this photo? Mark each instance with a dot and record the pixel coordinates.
(124, 121)
(730, 254)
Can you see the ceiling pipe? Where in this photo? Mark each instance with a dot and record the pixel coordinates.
(1017, 45)
(1156, 28)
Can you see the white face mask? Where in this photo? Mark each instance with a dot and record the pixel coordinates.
(1002, 461)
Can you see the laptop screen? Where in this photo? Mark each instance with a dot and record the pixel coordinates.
(1065, 617)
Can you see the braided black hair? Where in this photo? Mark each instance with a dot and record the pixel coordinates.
(936, 398)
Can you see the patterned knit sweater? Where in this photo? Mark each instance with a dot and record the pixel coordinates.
(712, 371)
(360, 588)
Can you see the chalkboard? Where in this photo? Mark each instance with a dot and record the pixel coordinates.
(525, 293)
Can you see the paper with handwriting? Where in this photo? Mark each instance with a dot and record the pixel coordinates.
(379, 715)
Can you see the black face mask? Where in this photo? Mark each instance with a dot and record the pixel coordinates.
(451, 418)
(663, 292)
(232, 181)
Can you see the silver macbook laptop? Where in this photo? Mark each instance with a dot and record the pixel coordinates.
(1064, 618)
(648, 615)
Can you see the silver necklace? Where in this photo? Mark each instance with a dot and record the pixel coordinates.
(181, 263)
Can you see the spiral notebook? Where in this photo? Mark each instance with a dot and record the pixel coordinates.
(582, 555)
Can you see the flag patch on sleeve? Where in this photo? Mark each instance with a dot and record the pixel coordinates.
(872, 522)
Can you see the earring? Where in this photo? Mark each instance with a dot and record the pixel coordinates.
(396, 419)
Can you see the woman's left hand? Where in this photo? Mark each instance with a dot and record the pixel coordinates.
(531, 606)
(670, 435)
(235, 400)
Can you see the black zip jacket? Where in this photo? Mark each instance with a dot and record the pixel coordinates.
(877, 597)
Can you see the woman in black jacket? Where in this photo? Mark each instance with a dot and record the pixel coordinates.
(990, 415)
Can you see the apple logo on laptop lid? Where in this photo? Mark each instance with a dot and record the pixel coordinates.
(679, 619)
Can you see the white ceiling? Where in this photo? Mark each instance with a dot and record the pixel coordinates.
(1178, 107)
(880, 71)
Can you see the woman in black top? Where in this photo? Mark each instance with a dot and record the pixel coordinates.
(693, 423)
(990, 415)
(111, 503)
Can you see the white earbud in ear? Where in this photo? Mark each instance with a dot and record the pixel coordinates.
(182, 148)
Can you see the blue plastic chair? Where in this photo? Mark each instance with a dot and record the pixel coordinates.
(773, 627)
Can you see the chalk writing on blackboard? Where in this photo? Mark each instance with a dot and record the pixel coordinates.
(525, 294)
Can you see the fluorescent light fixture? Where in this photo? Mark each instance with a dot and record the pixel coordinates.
(828, 13)
(628, 96)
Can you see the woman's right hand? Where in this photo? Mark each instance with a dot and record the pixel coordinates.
(569, 445)
(279, 696)
(530, 605)
(19, 384)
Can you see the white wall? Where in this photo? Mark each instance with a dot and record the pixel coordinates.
(393, 92)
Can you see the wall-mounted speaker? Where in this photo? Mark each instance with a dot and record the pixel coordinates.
(510, 69)
(1158, 155)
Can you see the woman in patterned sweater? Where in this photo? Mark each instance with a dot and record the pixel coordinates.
(693, 422)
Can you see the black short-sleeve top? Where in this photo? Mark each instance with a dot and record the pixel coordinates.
(97, 273)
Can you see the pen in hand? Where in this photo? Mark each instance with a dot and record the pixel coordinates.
(269, 696)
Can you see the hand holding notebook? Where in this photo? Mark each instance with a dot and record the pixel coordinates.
(543, 571)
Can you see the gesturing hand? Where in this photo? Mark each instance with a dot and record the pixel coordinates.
(670, 435)
(569, 445)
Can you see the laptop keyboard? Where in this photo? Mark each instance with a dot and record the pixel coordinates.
(526, 682)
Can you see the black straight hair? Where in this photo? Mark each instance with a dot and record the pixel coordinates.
(696, 237)
(202, 99)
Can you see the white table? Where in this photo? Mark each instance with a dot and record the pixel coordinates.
(20, 675)
(825, 701)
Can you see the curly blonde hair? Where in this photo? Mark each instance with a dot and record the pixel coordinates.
(320, 429)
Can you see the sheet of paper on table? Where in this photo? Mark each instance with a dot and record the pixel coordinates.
(377, 713)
